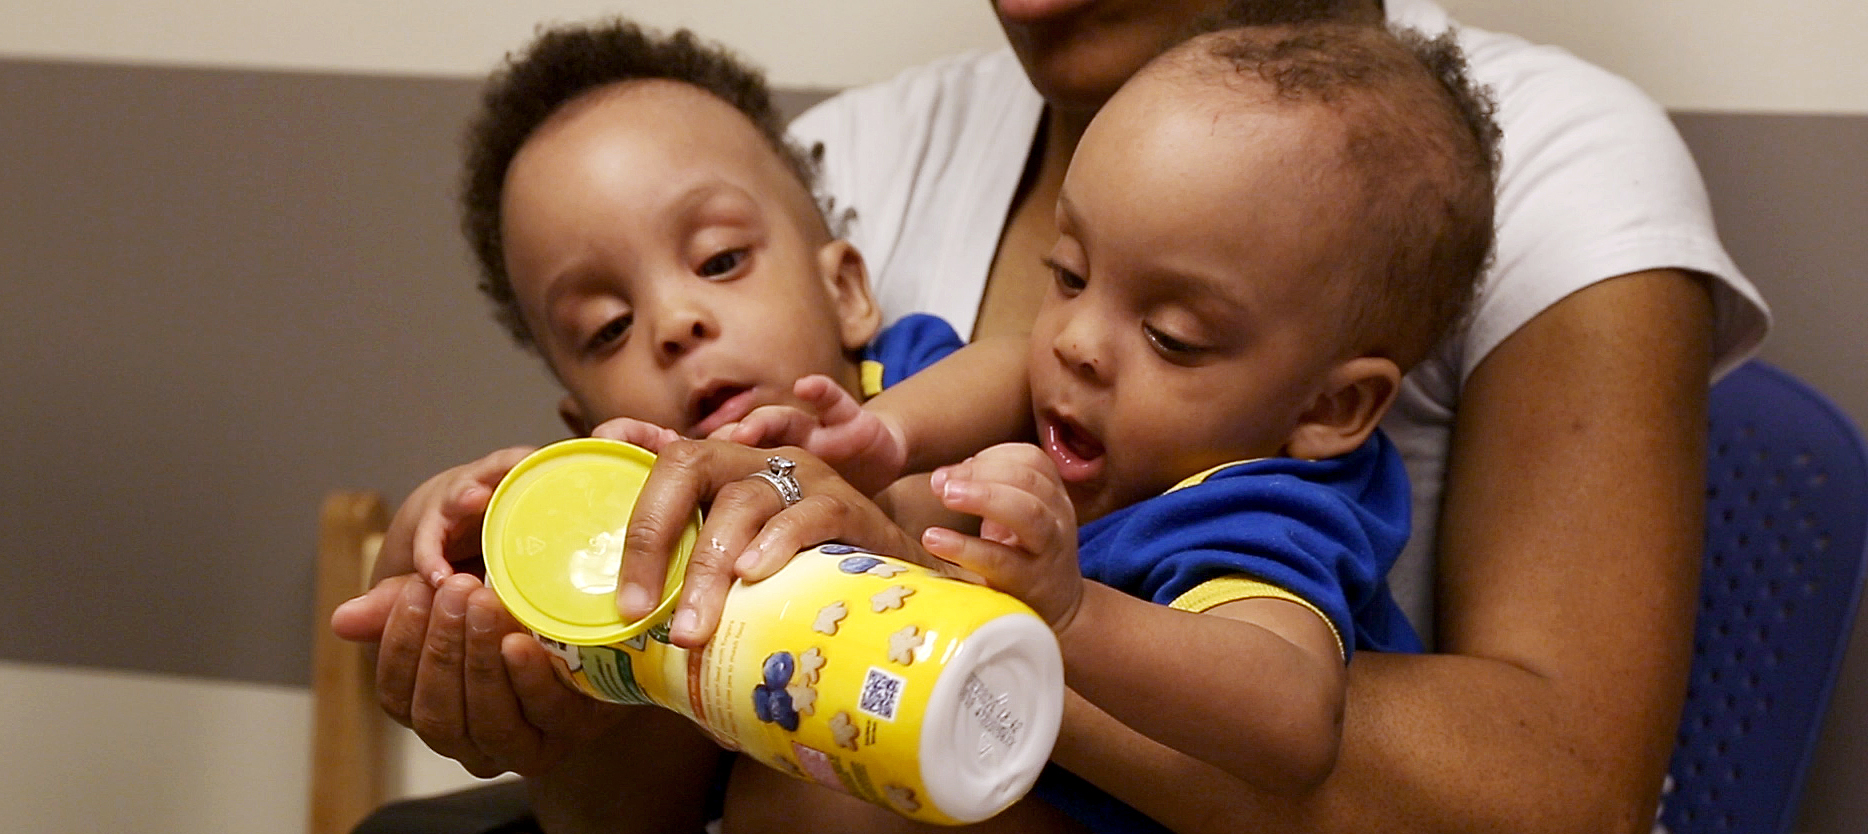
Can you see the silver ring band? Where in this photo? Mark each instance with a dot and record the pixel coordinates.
(779, 476)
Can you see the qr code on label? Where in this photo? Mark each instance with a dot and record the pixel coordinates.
(882, 693)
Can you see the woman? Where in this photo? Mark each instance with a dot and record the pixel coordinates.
(1567, 494)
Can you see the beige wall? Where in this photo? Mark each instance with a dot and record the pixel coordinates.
(1793, 56)
(801, 43)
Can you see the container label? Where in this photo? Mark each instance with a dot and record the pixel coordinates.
(610, 673)
(881, 694)
(999, 727)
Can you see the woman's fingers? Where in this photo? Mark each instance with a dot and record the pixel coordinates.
(740, 509)
(684, 477)
(363, 618)
(438, 710)
(496, 724)
(399, 654)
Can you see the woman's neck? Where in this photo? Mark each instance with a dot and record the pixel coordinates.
(1061, 132)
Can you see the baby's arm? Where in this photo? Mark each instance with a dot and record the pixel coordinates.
(977, 396)
(1254, 687)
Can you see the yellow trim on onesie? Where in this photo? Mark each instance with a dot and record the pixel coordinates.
(872, 378)
(1201, 476)
(1234, 587)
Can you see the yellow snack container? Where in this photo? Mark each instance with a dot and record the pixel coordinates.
(932, 697)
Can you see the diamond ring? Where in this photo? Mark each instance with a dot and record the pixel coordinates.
(778, 474)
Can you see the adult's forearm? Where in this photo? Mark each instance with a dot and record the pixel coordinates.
(1431, 743)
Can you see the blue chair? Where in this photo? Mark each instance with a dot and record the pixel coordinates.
(1787, 513)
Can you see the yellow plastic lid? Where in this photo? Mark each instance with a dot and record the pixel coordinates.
(553, 539)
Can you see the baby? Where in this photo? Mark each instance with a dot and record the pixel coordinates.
(1259, 234)
(641, 224)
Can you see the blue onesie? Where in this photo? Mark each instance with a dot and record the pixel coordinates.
(902, 349)
(1320, 533)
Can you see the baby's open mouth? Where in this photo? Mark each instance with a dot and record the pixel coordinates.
(1077, 453)
(719, 405)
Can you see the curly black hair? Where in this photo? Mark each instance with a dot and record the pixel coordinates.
(560, 65)
(1419, 143)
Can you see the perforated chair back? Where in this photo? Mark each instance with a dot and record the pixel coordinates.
(1787, 514)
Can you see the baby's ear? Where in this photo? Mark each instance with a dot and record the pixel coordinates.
(858, 317)
(1355, 396)
(573, 417)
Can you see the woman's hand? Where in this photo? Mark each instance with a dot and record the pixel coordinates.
(748, 532)
(456, 668)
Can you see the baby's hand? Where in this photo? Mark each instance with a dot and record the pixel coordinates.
(1027, 543)
(439, 524)
(630, 430)
(863, 446)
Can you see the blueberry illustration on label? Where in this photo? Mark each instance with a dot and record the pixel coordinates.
(838, 549)
(858, 564)
(778, 669)
(782, 712)
(770, 702)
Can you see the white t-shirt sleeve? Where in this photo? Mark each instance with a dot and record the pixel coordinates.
(1596, 184)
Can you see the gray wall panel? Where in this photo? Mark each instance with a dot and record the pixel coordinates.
(226, 292)
(1792, 207)
(1789, 198)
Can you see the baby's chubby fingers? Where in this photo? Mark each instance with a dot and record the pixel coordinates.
(770, 425)
(1015, 489)
(630, 430)
(1012, 516)
(1018, 465)
(1051, 586)
(440, 522)
(833, 402)
(453, 519)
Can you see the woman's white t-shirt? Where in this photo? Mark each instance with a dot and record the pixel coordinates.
(919, 173)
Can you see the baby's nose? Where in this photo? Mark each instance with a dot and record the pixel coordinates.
(682, 331)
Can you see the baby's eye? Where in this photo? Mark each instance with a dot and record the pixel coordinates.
(722, 263)
(610, 333)
(1170, 347)
(1070, 282)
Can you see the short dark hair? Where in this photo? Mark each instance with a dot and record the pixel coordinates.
(562, 64)
(1419, 143)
